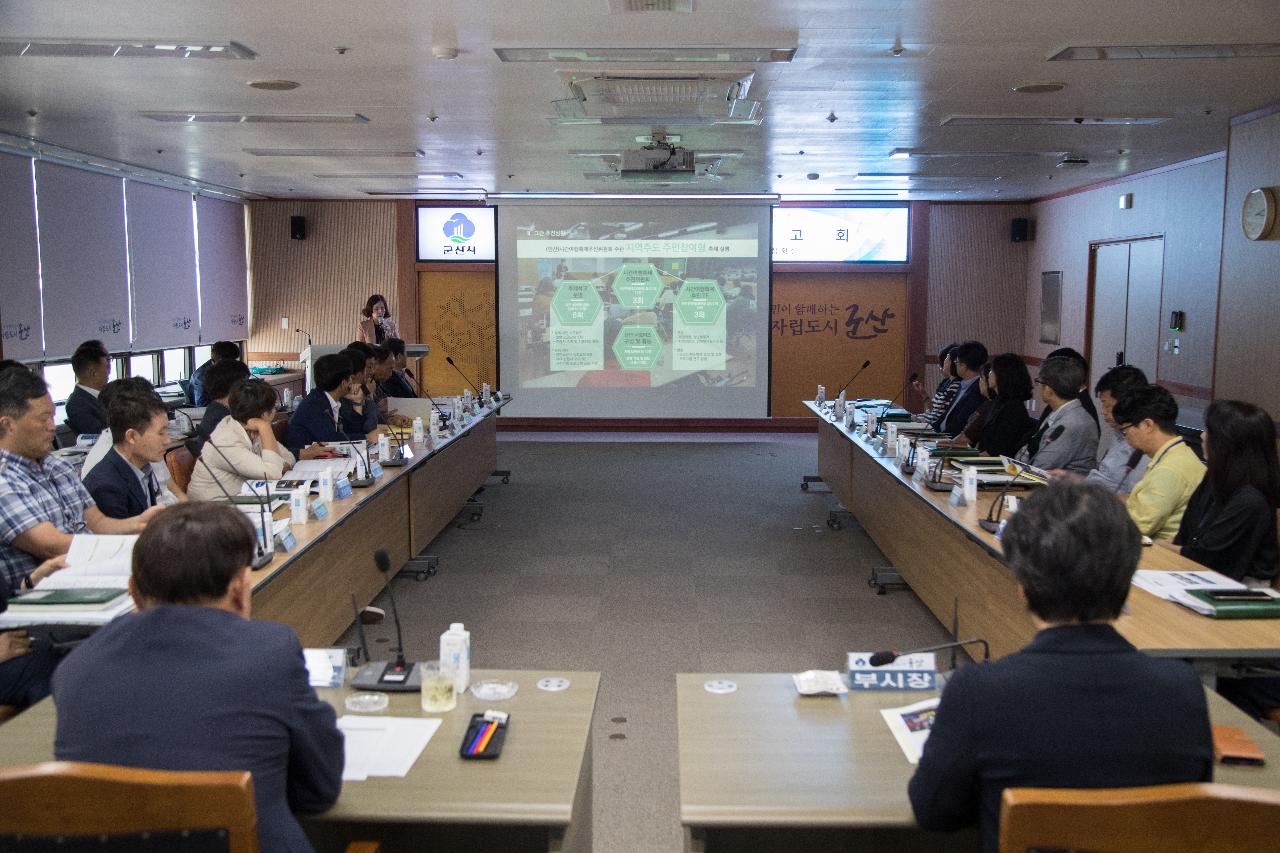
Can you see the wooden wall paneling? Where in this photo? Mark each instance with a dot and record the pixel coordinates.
(320, 283)
(918, 357)
(406, 297)
(977, 280)
(458, 317)
(812, 344)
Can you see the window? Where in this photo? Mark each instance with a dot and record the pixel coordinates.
(175, 364)
(202, 355)
(61, 380)
(143, 365)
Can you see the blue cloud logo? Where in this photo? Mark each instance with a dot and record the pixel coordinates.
(459, 229)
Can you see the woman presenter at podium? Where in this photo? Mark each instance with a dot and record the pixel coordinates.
(375, 324)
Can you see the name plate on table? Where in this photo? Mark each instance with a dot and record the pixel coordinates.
(922, 464)
(319, 509)
(909, 672)
(286, 541)
(375, 470)
(956, 499)
(342, 488)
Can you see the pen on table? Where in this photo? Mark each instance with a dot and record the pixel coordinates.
(488, 735)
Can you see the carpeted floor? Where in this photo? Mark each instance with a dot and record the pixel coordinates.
(641, 558)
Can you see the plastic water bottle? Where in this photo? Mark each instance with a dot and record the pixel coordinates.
(298, 505)
(384, 447)
(455, 655)
(326, 486)
(418, 435)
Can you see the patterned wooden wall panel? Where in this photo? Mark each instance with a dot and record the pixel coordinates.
(977, 279)
(459, 311)
(824, 325)
(319, 283)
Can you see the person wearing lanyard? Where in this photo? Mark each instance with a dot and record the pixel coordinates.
(124, 483)
(1147, 418)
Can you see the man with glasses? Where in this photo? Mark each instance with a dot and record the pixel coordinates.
(1147, 419)
(1068, 438)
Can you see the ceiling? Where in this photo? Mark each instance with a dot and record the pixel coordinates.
(490, 125)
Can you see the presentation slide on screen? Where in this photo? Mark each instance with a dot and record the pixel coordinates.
(635, 311)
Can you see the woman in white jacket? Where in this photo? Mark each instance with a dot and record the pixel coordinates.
(242, 447)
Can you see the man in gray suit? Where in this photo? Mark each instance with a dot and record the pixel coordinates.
(1068, 438)
(190, 683)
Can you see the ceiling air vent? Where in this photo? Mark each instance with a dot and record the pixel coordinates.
(658, 98)
(337, 153)
(114, 48)
(1080, 121)
(618, 7)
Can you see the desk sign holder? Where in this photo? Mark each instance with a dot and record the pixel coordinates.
(956, 498)
(908, 672)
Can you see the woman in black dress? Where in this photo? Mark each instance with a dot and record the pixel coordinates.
(1007, 424)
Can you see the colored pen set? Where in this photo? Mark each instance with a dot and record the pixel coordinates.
(485, 735)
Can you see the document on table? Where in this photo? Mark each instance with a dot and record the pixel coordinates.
(94, 561)
(383, 746)
(910, 725)
(1168, 585)
(310, 469)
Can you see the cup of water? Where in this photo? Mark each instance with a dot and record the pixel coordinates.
(438, 694)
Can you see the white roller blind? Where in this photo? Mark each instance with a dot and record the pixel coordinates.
(19, 265)
(84, 265)
(224, 277)
(162, 252)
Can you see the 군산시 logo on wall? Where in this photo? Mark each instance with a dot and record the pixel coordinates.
(459, 229)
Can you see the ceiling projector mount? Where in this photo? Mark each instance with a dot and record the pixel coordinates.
(659, 160)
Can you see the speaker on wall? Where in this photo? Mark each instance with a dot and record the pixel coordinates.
(298, 227)
(1022, 230)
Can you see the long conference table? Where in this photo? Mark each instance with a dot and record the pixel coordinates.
(310, 587)
(955, 568)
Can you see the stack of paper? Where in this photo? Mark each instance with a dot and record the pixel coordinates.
(383, 746)
(911, 725)
(93, 562)
(1170, 585)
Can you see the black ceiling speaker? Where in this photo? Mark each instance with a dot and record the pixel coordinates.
(298, 227)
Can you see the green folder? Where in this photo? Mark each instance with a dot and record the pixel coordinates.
(1265, 606)
(83, 596)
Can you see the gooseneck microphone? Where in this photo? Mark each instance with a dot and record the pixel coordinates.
(303, 332)
(449, 359)
(367, 479)
(991, 523)
(393, 676)
(887, 656)
(912, 378)
(261, 556)
(865, 365)
(1131, 463)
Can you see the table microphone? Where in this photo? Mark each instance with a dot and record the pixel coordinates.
(396, 461)
(991, 523)
(367, 480)
(449, 359)
(865, 365)
(261, 556)
(912, 378)
(303, 332)
(886, 657)
(393, 676)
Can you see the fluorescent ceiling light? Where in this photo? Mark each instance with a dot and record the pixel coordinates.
(1079, 121)
(1167, 51)
(76, 48)
(255, 118)
(666, 120)
(637, 196)
(465, 192)
(645, 54)
(874, 193)
(912, 153)
(343, 153)
(915, 178)
(429, 176)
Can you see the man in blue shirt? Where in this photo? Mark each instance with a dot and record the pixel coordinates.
(42, 501)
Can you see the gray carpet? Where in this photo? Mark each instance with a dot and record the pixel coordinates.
(641, 559)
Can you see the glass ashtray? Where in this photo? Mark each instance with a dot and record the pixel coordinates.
(493, 690)
(367, 703)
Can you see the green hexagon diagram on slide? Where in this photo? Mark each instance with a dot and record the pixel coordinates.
(576, 303)
(637, 286)
(699, 302)
(637, 347)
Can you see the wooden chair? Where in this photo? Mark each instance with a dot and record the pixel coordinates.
(1185, 818)
(181, 464)
(66, 798)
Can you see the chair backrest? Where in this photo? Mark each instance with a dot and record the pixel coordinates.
(1185, 818)
(66, 798)
(280, 426)
(181, 464)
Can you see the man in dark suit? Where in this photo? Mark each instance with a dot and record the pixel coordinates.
(190, 683)
(1079, 707)
(399, 383)
(92, 366)
(124, 484)
(220, 351)
(317, 416)
(968, 360)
